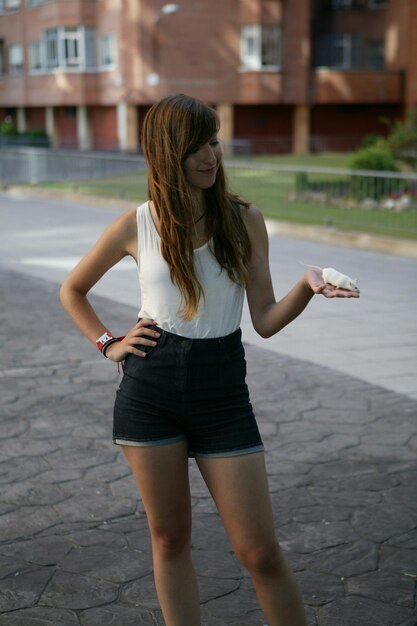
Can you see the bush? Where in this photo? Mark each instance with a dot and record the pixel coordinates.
(8, 129)
(301, 182)
(9, 136)
(37, 138)
(377, 157)
(371, 140)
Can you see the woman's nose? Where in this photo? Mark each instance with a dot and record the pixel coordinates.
(209, 155)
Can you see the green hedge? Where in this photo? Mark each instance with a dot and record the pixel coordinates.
(10, 136)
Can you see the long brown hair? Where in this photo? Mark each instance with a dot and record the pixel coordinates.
(173, 129)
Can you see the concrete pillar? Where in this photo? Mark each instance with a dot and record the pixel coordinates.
(84, 139)
(21, 119)
(301, 129)
(227, 128)
(411, 71)
(52, 127)
(127, 127)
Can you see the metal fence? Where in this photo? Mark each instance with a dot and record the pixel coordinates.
(37, 165)
(381, 202)
(373, 201)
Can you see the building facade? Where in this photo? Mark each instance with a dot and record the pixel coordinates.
(284, 75)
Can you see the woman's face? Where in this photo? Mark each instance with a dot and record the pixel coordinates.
(201, 166)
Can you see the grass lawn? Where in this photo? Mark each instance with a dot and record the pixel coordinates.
(271, 192)
(130, 187)
(325, 159)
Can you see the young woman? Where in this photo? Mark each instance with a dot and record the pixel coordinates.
(198, 249)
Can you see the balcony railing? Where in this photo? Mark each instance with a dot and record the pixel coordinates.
(353, 5)
(349, 51)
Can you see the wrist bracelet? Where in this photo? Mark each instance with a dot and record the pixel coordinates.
(101, 341)
(106, 345)
(105, 340)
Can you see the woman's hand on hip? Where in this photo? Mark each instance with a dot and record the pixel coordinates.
(139, 335)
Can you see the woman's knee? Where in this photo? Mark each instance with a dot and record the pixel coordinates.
(265, 559)
(171, 541)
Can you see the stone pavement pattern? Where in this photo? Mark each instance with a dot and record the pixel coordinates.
(74, 545)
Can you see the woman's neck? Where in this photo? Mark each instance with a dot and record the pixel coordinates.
(199, 204)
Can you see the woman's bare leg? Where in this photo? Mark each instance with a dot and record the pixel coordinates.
(161, 473)
(239, 487)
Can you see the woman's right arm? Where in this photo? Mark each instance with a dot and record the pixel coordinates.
(117, 241)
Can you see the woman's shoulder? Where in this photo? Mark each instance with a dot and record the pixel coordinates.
(124, 228)
(255, 227)
(125, 232)
(128, 220)
(252, 216)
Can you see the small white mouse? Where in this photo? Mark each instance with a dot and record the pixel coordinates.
(336, 278)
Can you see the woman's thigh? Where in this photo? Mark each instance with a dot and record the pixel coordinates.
(239, 487)
(161, 474)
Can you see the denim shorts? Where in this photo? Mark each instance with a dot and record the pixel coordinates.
(191, 390)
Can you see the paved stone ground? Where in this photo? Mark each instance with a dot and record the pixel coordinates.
(74, 546)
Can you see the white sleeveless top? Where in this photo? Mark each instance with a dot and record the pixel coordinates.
(220, 311)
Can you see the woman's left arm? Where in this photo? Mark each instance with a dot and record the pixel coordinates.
(268, 315)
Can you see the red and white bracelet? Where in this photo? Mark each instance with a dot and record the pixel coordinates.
(105, 340)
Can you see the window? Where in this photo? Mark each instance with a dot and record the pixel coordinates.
(341, 51)
(16, 59)
(261, 46)
(88, 40)
(11, 4)
(107, 52)
(341, 4)
(271, 46)
(70, 112)
(359, 4)
(51, 48)
(36, 62)
(346, 51)
(376, 55)
(2, 58)
(70, 47)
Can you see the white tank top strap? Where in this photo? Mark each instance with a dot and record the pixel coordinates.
(148, 237)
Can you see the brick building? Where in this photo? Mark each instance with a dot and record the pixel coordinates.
(286, 74)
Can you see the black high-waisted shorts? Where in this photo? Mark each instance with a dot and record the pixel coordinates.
(191, 390)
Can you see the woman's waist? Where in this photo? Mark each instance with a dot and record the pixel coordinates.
(209, 325)
(182, 331)
(205, 342)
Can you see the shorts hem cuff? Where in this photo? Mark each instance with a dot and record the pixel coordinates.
(120, 441)
(227, 453)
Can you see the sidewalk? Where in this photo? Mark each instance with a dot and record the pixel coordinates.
(74, 546)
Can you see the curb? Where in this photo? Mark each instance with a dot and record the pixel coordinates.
(344, 238)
